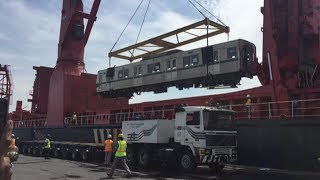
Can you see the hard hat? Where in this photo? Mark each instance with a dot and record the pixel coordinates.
(120, 135)
(109, 136)
(248, 96)
(12, 135)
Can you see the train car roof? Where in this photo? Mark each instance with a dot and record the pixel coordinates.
(162, 54)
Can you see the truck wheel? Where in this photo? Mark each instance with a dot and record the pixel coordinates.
(131, 157)
(186, 161)
(144, 157)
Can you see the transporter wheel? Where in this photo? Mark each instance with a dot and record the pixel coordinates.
(29, 150)
(84, 156)
(217, 168)
(186, 161)
(144, 157)
(24, 150)
(41, 151)
(56, 153)
(34, 151)
(131, 157)
(65, 153)
(74, 155)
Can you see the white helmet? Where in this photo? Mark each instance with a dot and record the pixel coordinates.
(248, 96)
(109, 136)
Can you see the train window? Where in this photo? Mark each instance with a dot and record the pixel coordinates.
(168, 65)
(152, 68)
(126, 73)
(174, 65)
(195, 60)
(120, 74)
(139, 71)
(186, 61)
(231, 52)
(215, 56)
(157, 67)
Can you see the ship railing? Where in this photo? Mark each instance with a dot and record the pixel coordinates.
(295, 109)
(79, 120)
(30, 123)
(142, 115)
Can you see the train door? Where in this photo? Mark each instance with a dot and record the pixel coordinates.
(171, 70)
(210, 57)
(214, 63)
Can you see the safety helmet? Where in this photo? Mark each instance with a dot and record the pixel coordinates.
(120, 135)
(109, 136)
(248, 96)
(12, 135)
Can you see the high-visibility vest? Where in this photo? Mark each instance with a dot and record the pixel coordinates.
(248, 102)
(12, 143)
(122, 149)
(48, 144)
(108, 145)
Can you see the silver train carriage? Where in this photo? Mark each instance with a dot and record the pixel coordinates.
(221, 64)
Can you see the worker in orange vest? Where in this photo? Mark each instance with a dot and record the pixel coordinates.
(13, 142)
(108, 150)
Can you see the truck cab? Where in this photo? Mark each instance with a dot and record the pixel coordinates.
(198, 135)
(208, 133)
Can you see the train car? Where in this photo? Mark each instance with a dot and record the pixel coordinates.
(221, 64)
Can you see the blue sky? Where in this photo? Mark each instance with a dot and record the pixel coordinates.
(29, 35)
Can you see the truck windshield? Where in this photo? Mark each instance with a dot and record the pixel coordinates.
(218, 120)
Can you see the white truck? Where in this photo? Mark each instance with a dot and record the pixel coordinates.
(198, 135)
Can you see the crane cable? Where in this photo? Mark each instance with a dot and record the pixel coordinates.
(208, 12)
(124, 30)
(197, 8)
(144, 17)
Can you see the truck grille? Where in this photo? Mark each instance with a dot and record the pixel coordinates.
(221, 140)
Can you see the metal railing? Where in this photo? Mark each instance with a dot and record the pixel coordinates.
(30, 123)
(278, 110)
(296, 109)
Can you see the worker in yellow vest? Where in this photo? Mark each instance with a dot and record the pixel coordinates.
(108, 150)
(120, 156)
(47, 147)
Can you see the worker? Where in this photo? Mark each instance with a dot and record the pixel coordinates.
(248, 105)
(13, 142)
(108, 150)
(120, 156)
(47, 147)
(74, 118)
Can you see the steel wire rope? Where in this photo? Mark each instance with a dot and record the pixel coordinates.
(124, 29)
(144, 17)
(209, 12)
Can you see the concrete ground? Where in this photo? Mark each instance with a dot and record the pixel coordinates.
(36, 168)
